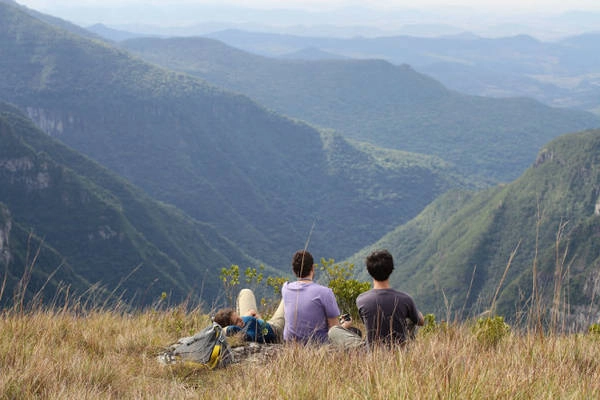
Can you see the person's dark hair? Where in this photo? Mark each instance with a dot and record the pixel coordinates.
(302, 263)
(380, 264)
(223, 317)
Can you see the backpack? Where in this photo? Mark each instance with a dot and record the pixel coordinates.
(208, 348)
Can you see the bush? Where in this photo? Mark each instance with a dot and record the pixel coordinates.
(338, 277)
(491, 330)
(266, 288)
(594, 330)
(430, 325)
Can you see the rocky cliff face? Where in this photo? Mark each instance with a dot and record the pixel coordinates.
(24, 170)
(51, 123)
(5, 226)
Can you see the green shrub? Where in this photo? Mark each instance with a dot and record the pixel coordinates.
(594, 330)
(230, 277)
(430, 325)
(339, 277)
(491, 330)
(266, 288)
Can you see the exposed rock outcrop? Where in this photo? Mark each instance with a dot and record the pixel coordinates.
(5, 227)
(53, 123)
(22, 169)
(543, 156)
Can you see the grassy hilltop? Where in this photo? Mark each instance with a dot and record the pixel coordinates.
(67, 354)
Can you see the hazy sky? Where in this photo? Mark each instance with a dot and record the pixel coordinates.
(507, 5)
(492, 18)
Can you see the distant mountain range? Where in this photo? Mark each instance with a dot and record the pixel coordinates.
(115, 35)
(453, 256)
(562, 73)
(259, 179)
(375, 101)
(187, 18)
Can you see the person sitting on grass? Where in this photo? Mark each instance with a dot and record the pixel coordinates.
(390, 316)
(311, 310)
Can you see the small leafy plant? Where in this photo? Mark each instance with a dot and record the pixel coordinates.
(430, 326)
(491, 330)
(594, 330)
(230, 277)
(338, 277)
(255, 279)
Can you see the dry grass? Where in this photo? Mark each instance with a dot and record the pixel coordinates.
(109, 354)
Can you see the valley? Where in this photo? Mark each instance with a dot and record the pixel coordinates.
(145, 166)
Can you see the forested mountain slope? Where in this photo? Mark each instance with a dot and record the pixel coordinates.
(375, 101)
(550, 218)
(260, 179)
(95, 228)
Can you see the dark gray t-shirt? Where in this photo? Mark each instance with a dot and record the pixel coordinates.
(384, 311)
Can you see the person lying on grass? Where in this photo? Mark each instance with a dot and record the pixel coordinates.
(253, 328)
(246, 321)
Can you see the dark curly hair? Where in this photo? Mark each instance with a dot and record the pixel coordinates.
(302, 263)
(223, 317)
(380, 264)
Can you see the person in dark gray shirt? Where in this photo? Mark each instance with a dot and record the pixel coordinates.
(383, 310)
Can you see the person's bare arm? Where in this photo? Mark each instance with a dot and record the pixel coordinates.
(331, 322)
(421, 320)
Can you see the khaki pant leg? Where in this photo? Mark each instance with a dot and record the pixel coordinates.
(277, 321)
(245, 302)
(344, 338)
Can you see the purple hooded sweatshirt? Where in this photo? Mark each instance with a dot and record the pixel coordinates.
(307, 307)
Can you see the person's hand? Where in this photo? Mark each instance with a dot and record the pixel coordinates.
(345, 320)
(347, 324)
(252, 313)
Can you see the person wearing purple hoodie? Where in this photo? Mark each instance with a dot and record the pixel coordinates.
(310, 309)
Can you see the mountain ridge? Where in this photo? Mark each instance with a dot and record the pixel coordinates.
(375, 101)
(549, 217)
(259, 178)
(508, 66)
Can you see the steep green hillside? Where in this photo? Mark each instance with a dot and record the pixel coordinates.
(95, 227)
(471, 236)
(260, 179)
(375, 101)
(30, 267)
